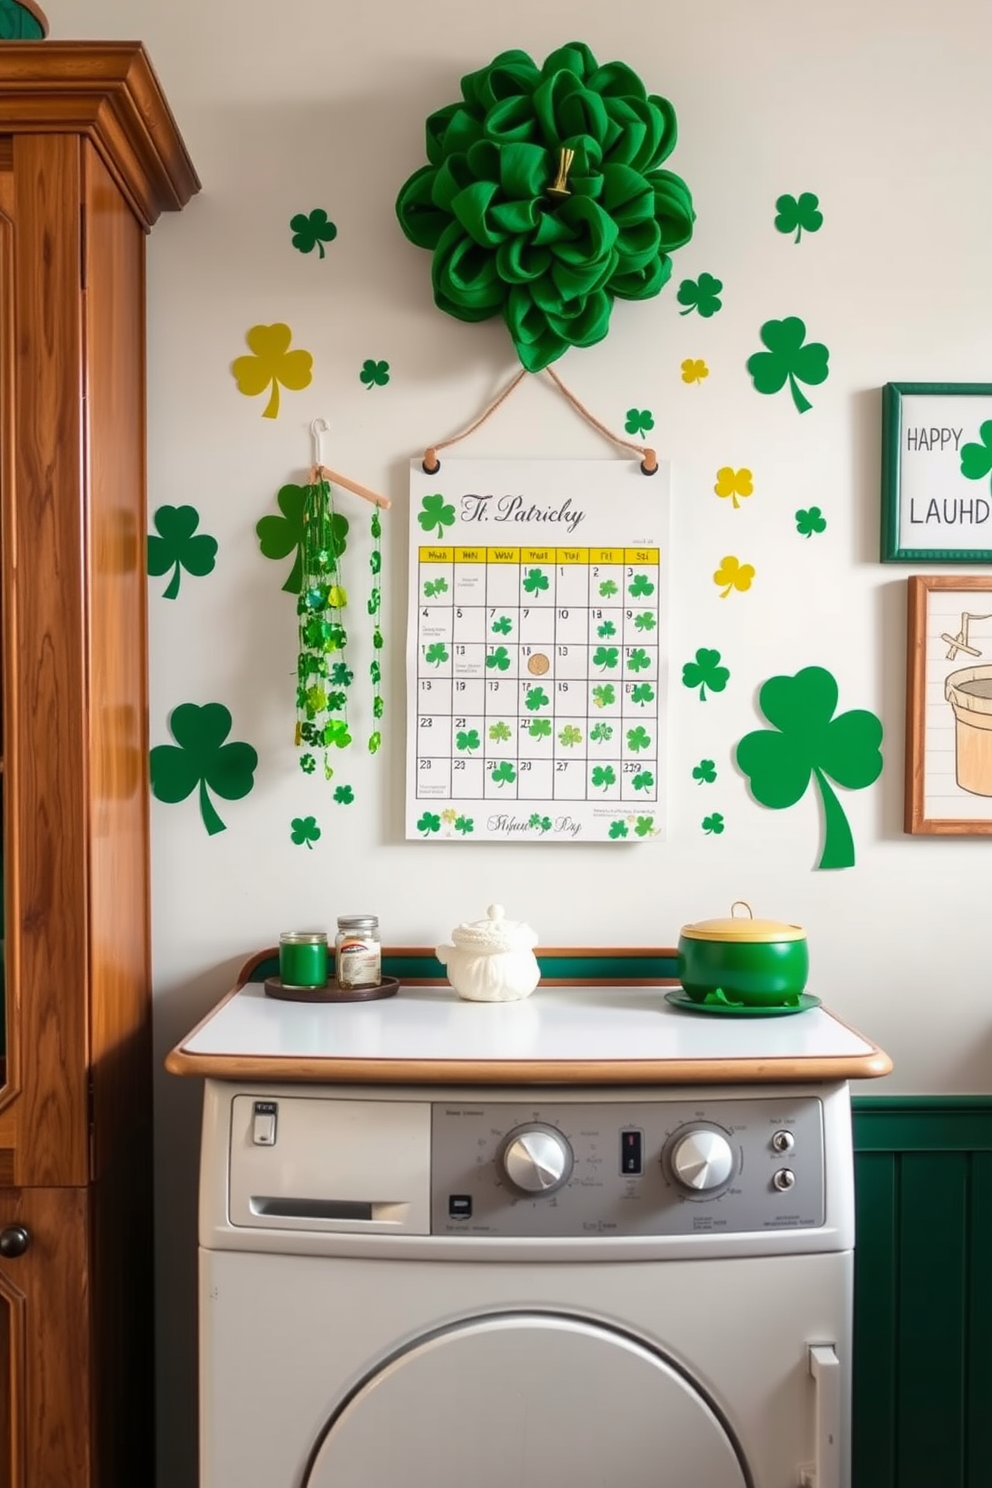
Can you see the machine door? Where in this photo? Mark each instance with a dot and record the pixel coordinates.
(526, 1400)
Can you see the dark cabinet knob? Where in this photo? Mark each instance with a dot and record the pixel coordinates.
(14, 1241)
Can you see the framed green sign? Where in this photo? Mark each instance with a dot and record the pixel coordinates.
(936, 472)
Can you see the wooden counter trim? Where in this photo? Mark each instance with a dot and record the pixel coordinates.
(278, 1070)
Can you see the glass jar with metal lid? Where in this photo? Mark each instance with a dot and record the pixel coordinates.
(358, 951)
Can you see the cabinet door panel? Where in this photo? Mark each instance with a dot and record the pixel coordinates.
(44, 1353)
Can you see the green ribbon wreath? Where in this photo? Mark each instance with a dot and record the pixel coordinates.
(544, 199)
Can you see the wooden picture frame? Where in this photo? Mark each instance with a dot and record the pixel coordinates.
(949, 706)
(936, 502)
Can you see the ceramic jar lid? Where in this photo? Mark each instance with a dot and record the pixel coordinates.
(494, 934)
(742, 928)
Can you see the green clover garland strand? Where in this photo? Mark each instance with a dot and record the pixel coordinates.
(374, 603)
(544, 199)
(322, 674)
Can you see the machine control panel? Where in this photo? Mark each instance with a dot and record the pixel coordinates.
(656, 1168)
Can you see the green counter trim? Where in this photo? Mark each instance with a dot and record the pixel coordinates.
(576, 968)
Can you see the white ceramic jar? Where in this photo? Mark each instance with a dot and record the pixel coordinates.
(491, 960)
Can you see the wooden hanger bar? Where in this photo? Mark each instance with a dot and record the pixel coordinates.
(321, 472)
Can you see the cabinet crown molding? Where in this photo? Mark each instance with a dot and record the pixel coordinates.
(108, 92)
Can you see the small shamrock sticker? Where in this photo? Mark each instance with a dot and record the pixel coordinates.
(713, 825)
(271, 363)
(702, 294)
(644, 826)
(807, 743)
(449, 816)
(434, 587)
(201, 758)
(642, 694)
(467, 740)
(503, 774)
(312, 231)
(704, 672)
(604, 695)
(280, 536)
(733, 574)
(435, 512)
(704, 772)
(436, 654)
(618, 829)
(608, 588)
(540, 823)
(638, 738)
(638, 660)
(976, 459)
(429, 823)
(500, 732)
(810, 521)
(606, 630)
(307, 764)
(734, 483)
(343, 794)
(177, 548)
(304, 830)
(798, 214)
(502, 625)
(640, 586)
(787, 360)
(639, 421)
(601, 733)
(606, 657)
(464, 824)
(643, 781)
(374, 374)
(535, 581)
(498, 659)
(645, 621)
(539, 728)
(694, 369)
(603, 776)
(536, 698)
(570, 736)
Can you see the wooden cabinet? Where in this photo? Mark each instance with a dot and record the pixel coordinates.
(89, 157)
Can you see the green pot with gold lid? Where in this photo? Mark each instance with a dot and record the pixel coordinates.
(741, 961)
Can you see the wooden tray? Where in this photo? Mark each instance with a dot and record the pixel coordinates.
(331, 992)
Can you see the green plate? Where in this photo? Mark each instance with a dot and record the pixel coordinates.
(725, 1010)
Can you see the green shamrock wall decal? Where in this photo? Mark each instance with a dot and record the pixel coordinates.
(271, 363)
(812, 520)
(806, 742)
(702, 294)
(639, 421)
(788, 360)
(798, 214)
(374, 374)
(344, 795)
(280, 536)
(713, 825)
(976, 459)
(303, 830)
(705, 771)
(312, 231)
(176, 547)
(22, 20)
(704, 672)
(201, 758)
(437, 513)
(544, 198)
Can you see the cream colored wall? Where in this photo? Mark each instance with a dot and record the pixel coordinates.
(881, 109)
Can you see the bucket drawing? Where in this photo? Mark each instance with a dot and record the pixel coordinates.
(969, 692)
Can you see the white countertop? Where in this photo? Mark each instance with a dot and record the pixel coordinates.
(600, 1033)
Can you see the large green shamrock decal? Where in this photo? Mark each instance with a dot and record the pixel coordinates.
(23, 21)
(313, 231)
(544, 198)
(788, 360)
(436, 512)
(806, 742)
(177, 548)
(976, 459)
(704, 672)
(374, 374)
(280, 536)
(702, 294)
(271, 361)
(798, 214)
(304, 829)
(200, 757)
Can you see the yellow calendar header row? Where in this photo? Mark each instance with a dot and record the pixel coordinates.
(562, 556)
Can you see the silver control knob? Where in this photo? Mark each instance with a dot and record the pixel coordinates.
(702, 1160)
(783, 1141)
(537, 1159)
(784, 1179)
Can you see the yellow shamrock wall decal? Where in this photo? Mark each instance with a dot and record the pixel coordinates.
(271, 361)
(733, 574)
(730, 482)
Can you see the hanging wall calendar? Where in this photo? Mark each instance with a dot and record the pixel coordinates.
(537, 651)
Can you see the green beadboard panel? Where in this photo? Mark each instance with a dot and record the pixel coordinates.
(923, 1292)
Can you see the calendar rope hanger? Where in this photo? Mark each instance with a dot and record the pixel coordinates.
(649, 458)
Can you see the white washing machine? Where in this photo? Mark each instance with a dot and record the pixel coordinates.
(486, 1287)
